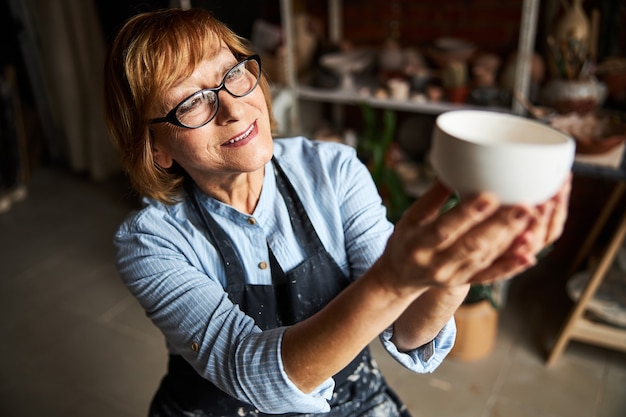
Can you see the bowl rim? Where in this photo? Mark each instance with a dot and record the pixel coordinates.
(565, 139)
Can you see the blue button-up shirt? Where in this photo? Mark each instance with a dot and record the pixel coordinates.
(169, 265)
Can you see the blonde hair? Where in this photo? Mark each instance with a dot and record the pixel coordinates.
(149, 55)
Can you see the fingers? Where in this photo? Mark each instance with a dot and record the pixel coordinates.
(538, 229)
(544, 225)
(478, 248)
(476, 241)
(503, 268)
(559, 215)
(427, 207)
(443, 232)
(549, 220)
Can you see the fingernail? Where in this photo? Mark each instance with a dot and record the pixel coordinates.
(527, 261)
(481, 204)
(520, 213)
(523, 239)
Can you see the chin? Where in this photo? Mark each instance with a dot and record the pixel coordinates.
(265, 145)
(264, 153)
(255, 158)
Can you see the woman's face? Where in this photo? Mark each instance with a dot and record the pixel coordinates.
(238, 140)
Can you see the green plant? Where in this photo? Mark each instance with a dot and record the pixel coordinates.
(480, 292)
(373, 148)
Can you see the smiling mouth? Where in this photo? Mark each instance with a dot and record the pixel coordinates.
(241, 136)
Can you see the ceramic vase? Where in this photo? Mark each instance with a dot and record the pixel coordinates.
(573, 25)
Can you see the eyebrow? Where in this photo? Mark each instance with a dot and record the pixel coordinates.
(226, 65)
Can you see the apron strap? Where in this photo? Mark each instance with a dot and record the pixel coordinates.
(300, 222)
(225, 248)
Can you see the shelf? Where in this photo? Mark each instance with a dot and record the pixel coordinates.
(600, 334)
(603, 166)
(522, 74)
(355, 98)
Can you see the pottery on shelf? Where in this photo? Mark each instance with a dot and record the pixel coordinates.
(574, 24)
(569, 43)
(445, 51)
(347, 64)
(574, 96)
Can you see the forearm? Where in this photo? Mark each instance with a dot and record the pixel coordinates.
(319, 347)
(426, 316)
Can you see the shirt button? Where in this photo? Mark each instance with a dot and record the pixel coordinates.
(263, 265)
(251, 220)
(195, 346)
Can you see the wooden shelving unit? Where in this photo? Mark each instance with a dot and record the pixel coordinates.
(298, 92)
(577, 326)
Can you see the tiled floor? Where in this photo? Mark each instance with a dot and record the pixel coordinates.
(75, 344)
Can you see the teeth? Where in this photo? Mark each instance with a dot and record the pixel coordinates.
(242, 136)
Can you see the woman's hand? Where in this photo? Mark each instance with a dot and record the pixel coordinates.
(479, 240)
(544, 228)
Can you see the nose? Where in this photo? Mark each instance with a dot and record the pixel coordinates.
(230, 108)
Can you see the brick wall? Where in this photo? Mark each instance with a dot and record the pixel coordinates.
(493, 25)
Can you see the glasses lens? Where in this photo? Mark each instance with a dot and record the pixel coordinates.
(243, 78)
(197, 109)
(201, 107)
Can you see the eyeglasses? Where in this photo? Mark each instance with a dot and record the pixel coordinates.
(201, 107)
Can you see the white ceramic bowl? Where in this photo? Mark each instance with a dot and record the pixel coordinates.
(517, 159)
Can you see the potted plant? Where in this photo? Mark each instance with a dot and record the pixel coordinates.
(477, 318)
(477, 323)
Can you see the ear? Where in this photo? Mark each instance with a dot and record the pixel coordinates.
(160, 155)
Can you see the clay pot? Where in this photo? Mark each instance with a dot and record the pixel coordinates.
(477, 328)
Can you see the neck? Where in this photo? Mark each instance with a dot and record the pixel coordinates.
(241, 191)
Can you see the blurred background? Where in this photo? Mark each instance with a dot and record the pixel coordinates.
(373, 74)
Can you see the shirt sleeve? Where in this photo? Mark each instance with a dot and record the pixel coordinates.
(425, 358)
(158, 263)
(267, 385)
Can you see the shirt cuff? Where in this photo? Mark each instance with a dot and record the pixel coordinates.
(427, 357)
(273, 392)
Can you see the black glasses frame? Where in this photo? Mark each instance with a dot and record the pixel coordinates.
(170, 117)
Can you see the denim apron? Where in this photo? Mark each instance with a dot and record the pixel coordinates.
(360, 389)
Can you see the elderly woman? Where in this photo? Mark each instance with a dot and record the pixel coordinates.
(269, 264)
